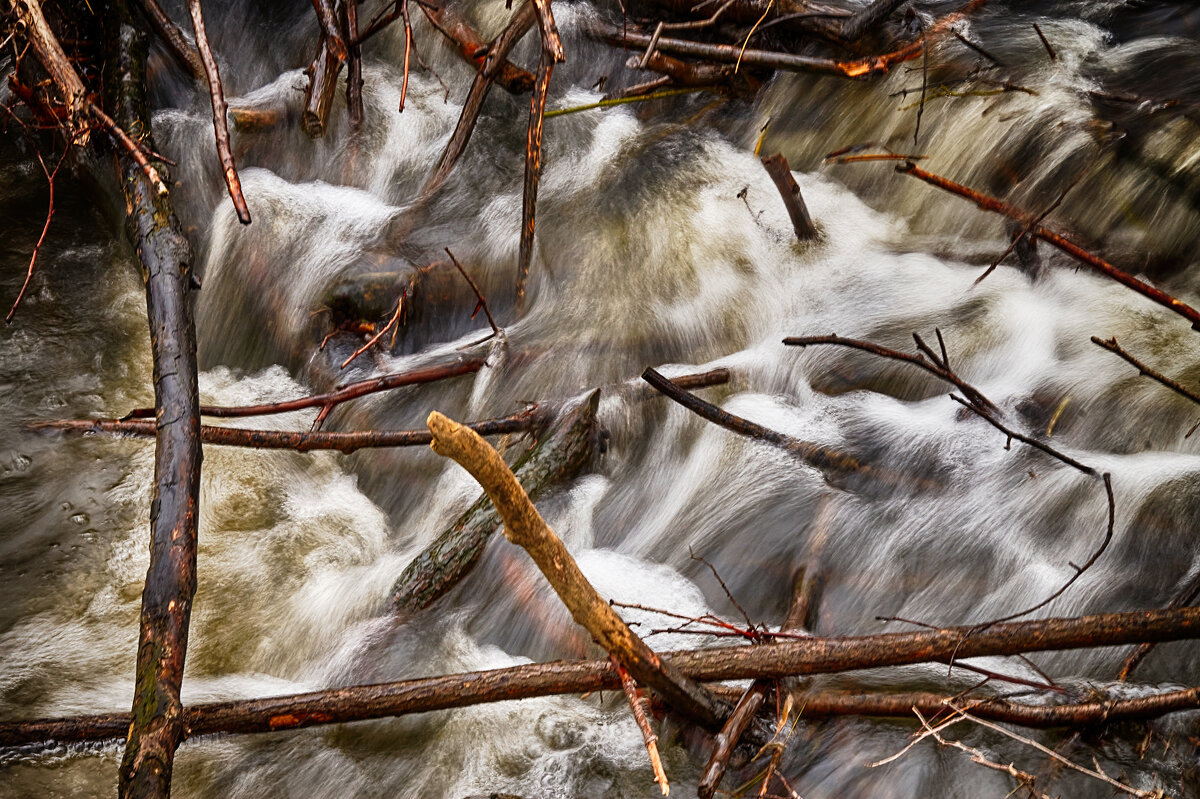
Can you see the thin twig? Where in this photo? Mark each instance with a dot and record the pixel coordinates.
(393, 322)
(50, 175)
(638, 703)
(496, 331)
(1112, 346)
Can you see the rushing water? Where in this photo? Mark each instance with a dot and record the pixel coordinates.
(660, 241)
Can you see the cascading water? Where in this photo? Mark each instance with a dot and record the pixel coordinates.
(660, 241)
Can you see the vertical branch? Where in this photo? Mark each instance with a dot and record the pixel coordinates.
(354, 80)
(220, 110)
(533, 170)
(637, 705)
(157, 724)
(169, 32)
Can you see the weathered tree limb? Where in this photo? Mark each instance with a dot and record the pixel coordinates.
(157, 719)
(734, 54)
(520, 23)
(524, 526)
(344, 442)
(561, 455)
(220, 108)
(639, 704)
(1057, 240)
(326, 401)
(936, 366)
(173, 38)
(471, 46)
(812, 454)
(533, 167)
(50, 55)
(354, 79)
(777, 167)
(783, 659)
(330, 28)
(318, 94)
(1116, 349)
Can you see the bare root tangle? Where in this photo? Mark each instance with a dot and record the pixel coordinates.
(220, 109)
(1116, 349)
(172, 36)
(820, 457)
(1057, 240)
(784, 659)
(330, 399)
(524, 526)
(777, 167)
(937, 366)
(520, 23)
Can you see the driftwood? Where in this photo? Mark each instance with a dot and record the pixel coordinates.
(561, 454)
(783, 659)
(777, 167)
(524, 526)
(220, 109)
(172, 37)
(157, 726)
(1057, 240)
(489, 71)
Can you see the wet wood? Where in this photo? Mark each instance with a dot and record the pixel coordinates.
(520, 23)
(354, 79)
(49, 53)
(533, 172)
(318, 94)
(470, 45)
(173, 38)
(783, 659)
(219, 109)
(156, 723)
(558, 458)
(777, 167)
(524, 526)
(331, 29)
(1057, 240)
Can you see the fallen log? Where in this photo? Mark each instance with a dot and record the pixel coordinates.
(787, 658)
(524, 526)
(558, 457)
(157, 720)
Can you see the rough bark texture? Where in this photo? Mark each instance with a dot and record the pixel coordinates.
(559, 457)
(524, 526)
(787, 658)
(156, 726)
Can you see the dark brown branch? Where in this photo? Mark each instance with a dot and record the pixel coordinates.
(157, 715)
(429, 374)
(354, 79)
(1045, 43)
(318, 94)
(219, 108)
(821, 457)
(1024, 439)
(497, 52)
(475, 288)
(777, 167)
(1112, 346)
(935, 366)
(28, 16)
(1184, 597)
(1061, 242)
(533, 163)
(330, 29)
(172, 36)
(735, 726)
(785, 659)
(345, 442)
(471, 46)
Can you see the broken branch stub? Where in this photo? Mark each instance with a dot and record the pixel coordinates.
(777, 167)
(524, 526)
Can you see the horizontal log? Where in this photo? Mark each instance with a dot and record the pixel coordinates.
(784, 659)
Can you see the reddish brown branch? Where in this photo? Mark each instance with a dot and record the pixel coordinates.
(354, 79)
(533, 169)
(362, 388)
(471, 46)
(219, 108)
(475, 288)
(777, 167)
(789, 658)
(1116, 349)
(50, 175)
(1057, 240)
(934, 365)
(172, 36)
